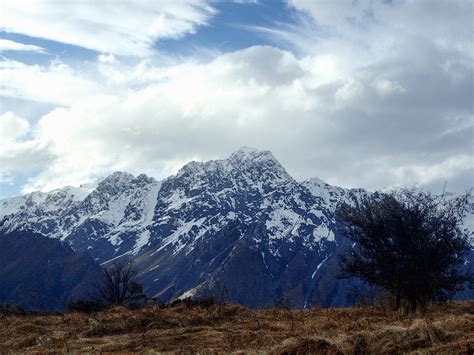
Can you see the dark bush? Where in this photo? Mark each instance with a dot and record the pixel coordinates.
(409, 242)
(84, 306)
(12, 310)
(204, 302)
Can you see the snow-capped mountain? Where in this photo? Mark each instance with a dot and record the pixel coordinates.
(242, 224)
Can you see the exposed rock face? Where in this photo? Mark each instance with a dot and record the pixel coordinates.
(42, 273)
(240, 227)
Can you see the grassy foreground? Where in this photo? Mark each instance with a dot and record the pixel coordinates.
(231, 328)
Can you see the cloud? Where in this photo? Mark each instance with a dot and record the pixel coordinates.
(349, 92)
(366, 32)
(7, 45)
(17, 152)
(6, 179)
(118, 27)
(370, 94)
(386, 87)
(107, 58)
(341, 130)
(428, 19)
(12, 127)
(447, 169)
(56, 83)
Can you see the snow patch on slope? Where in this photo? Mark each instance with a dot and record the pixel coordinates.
(183, 228)
(116, 211)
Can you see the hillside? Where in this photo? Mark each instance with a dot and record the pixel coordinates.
(230, 328)
(43, 273)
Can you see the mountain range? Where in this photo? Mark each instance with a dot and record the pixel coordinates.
(240, 227)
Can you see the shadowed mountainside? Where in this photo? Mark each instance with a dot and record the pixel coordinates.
(43, 273)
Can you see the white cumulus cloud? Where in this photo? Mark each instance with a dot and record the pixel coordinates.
(17, 152)
(56, 83)
(343, 131)
(12, 127)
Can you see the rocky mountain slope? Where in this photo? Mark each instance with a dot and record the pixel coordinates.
(43, 273)
(241, 226)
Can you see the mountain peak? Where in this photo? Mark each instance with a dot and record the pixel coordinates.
(120, 181)
(252, 153)
(119, 176)
(248, 150)
(249, 166)
(257, 165)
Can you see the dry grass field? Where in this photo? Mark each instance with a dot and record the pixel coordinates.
(234, 329)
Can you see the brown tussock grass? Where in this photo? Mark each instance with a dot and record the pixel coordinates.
(217, 328)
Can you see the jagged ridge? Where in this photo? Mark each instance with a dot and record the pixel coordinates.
(242, 221)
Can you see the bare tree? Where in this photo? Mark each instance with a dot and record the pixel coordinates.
(409, 242)
(118, 285)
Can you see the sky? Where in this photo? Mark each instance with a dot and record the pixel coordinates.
(360, 93)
